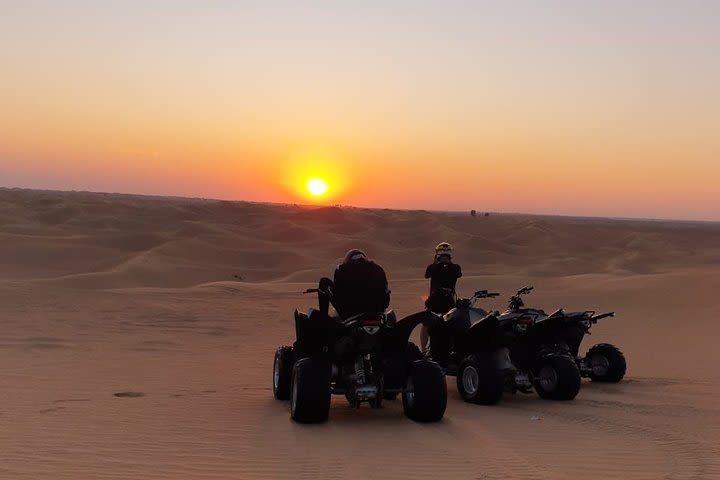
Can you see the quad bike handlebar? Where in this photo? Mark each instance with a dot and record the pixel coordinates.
(485, 294)
(600, 316)
(525, 290)
(469, 302)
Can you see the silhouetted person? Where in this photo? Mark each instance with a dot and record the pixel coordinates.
(360, 285)
(443, 275)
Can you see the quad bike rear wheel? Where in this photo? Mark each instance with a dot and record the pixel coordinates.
(282, 372)
(556, 377)
(310, 391)
(479, 380)
(607, 363)
(425, 393)
(412, 353)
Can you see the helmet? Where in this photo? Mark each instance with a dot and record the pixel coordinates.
(443, 249)
(354, 254)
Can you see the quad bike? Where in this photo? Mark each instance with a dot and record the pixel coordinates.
(563, 332)
(365, 357)
(491, 354)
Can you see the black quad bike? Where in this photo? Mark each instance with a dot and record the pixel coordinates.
(492, 353)
(563, 332)
(366, 358)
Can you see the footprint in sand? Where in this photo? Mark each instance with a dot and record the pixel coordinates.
(53, 409)
(129, 394)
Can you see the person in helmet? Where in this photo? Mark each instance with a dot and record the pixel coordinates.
(359, 285)
(443, 275)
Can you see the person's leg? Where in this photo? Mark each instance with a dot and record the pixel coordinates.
(424, 344)
(430, 304)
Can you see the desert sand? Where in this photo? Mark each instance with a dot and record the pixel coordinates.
(138, 334)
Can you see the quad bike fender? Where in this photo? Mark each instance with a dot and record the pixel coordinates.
(398, 336)
(565, 338)
(484, 336)
(484, 326)
(315, 333)
(547, 353)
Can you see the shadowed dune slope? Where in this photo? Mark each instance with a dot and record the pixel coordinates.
(106, 240)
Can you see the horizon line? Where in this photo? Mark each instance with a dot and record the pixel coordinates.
(340, 205)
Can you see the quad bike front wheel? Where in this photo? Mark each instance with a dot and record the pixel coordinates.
(479, 380)
(282, 372)
(556, 377)
(607, 363)
(310, 391)
(424, 395)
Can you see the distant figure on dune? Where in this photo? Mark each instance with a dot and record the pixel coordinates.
(443, 275)
(360, 286)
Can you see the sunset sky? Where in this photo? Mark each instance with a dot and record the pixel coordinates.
(607, 108)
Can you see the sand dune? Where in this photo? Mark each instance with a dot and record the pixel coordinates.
(177, 305)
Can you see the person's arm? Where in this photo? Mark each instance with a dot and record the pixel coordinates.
(338, 290)
(424, 339)
(459, 271)
(428, 270)
(387, 289)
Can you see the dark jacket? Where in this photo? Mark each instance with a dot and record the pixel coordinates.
(442, 276)
(360, 286)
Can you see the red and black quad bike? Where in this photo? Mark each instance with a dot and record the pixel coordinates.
(366, 358)
(491, 354)
(563, 332)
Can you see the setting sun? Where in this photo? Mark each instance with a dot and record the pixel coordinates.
(317, 174)
(317, 186)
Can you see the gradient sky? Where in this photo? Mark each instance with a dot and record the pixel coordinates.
(605, 108)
